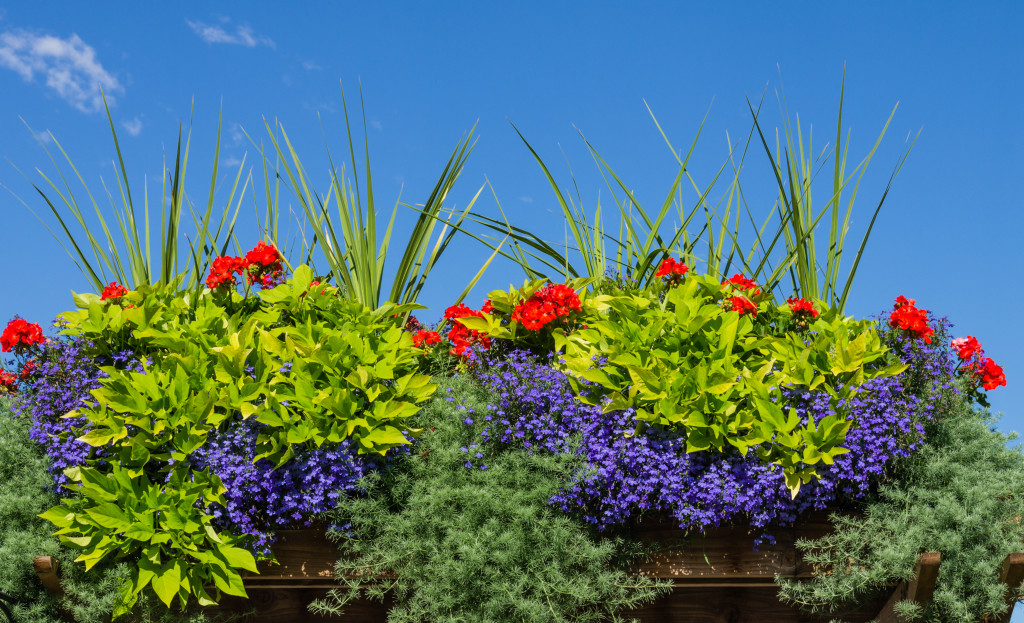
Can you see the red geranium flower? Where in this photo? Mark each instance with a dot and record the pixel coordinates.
(427, 338)
(20, 335)
(113, 291)
(966, 347)
(911, 319)
(28, 369)
(223, 271)
(552, 302)
(801, 306)
(463, 339)
(990, 374)
(671, 271)
(743, 283)
(742, 305)
(263, 265)
(7, 383)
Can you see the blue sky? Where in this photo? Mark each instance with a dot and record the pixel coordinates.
(947, 236)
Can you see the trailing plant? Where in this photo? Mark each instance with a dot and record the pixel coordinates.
(962, 495)
(482, 544)
(314, 370)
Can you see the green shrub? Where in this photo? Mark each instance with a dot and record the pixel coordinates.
(477, 544)
(962, 496)
(25, 491)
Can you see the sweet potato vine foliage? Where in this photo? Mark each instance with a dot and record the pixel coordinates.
(311, 369)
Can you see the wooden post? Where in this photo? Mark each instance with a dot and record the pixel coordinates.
(919, 590)
(1011, 573)
(46, 568)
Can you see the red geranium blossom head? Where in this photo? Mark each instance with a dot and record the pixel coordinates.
(7, 383)
(113, 291)
(671, 271)
(743, 283)
(914, 321)
(553, 302)
(20, 335)
(742, 305)
(263, 265)
(463, 339)
(990, 374)
(966, 347)
(222, 273)
(425, 338)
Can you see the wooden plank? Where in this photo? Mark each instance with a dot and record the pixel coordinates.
(47, 568)
(291, 606)
(1011, 573)
(920, 590)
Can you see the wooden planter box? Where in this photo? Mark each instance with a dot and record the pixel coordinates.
(718, 578)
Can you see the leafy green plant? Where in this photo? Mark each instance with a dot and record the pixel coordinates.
(311, 367)
(684, 358)
(962, 495)
(458, 544)
(125, 254)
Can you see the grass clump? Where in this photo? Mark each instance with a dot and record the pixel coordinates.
(477, 543)
(962, 496)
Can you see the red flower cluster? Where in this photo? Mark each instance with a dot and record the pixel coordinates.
(743, 283)
(742, 305)
(911, 319)
(425, 338)
(966, 347)
(671, 271)
(113, 291)
(262, 265)
(984, 370)
(223, 271)
(7, 383)
(552, 302)
(802, 310)
(989, 373)
(20, 335)
(28, 369)
(463, 340)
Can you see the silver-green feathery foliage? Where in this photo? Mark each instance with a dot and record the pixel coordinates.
(458, 544)
(962, 496)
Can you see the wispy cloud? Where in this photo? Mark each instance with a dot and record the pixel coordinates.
(526, 199)
(242, 35)
(231, 161)
(44, 136)
(376, 125)
(310, 66)
(133, 126)
(68, 66)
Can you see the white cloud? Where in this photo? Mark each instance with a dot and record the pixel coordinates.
(310, 66)
(243, 35)
(526, 199)
(68, 66)
(231, 161)
(44, 136)
(133, 126)
(376, 125)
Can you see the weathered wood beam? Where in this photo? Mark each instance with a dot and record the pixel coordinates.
(1011, 573)
(46, 568)
(919, 590)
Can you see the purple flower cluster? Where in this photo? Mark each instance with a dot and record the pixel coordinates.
(64, 375)
(261, 499)
(533, 407)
